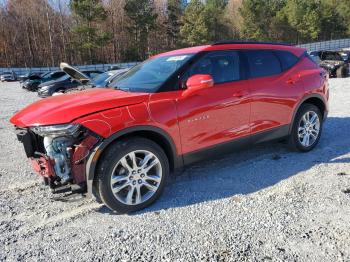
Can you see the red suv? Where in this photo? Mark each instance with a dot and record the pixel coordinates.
(121, 143)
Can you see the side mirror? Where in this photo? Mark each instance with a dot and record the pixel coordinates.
(198, 82)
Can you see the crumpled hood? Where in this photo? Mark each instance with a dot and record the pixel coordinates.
(73, 72)
(65, 108)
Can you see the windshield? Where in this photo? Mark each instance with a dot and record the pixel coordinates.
(65, 77)
(113, 77)
(151, 74)
(100, 80)
(46, 75)
(331, 56)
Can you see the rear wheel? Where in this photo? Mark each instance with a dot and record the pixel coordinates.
(132, 174)
(307, 128)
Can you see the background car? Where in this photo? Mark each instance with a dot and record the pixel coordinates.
(8, 76)
(345, 54)
(315, 58)
(72, 79)
(114, 67)
(333, 62)
(346, 57)
(24, 77)
(34, 81)
(102, 80)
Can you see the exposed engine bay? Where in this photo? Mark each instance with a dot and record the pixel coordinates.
(59, 150)
(59, 154)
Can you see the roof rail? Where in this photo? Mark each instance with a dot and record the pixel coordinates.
(249, 42)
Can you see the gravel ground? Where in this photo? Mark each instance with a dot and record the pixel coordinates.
(261, 204)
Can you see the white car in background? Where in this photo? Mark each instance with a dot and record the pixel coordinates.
(8, 76)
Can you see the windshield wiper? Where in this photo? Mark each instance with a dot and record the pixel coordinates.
(119, 88)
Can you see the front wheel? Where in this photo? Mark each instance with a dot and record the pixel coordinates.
(132, 174)
(307, 128)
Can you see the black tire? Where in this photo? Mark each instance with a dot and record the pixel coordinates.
(111, 158)
(33, 88)
(341, 72)
(293, 139)
(59, 90)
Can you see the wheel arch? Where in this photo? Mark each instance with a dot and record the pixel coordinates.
(155, 134)
(314, 99)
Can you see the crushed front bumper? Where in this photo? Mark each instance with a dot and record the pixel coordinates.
(45, 166)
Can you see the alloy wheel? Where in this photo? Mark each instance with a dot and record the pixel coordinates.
(136, 177)
(309, 129)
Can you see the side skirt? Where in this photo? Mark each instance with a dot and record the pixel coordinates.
(218, 151)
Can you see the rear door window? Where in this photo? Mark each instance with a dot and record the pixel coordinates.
(223, 66)
(262, 63)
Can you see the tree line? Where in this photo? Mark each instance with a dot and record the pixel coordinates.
(46, 32)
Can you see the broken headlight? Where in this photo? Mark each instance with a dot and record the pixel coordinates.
(56, 130)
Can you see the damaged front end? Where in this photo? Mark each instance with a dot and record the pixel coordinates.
(59, 153)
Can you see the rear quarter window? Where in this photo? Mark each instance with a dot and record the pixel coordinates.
(262, 63)
(288, 60)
